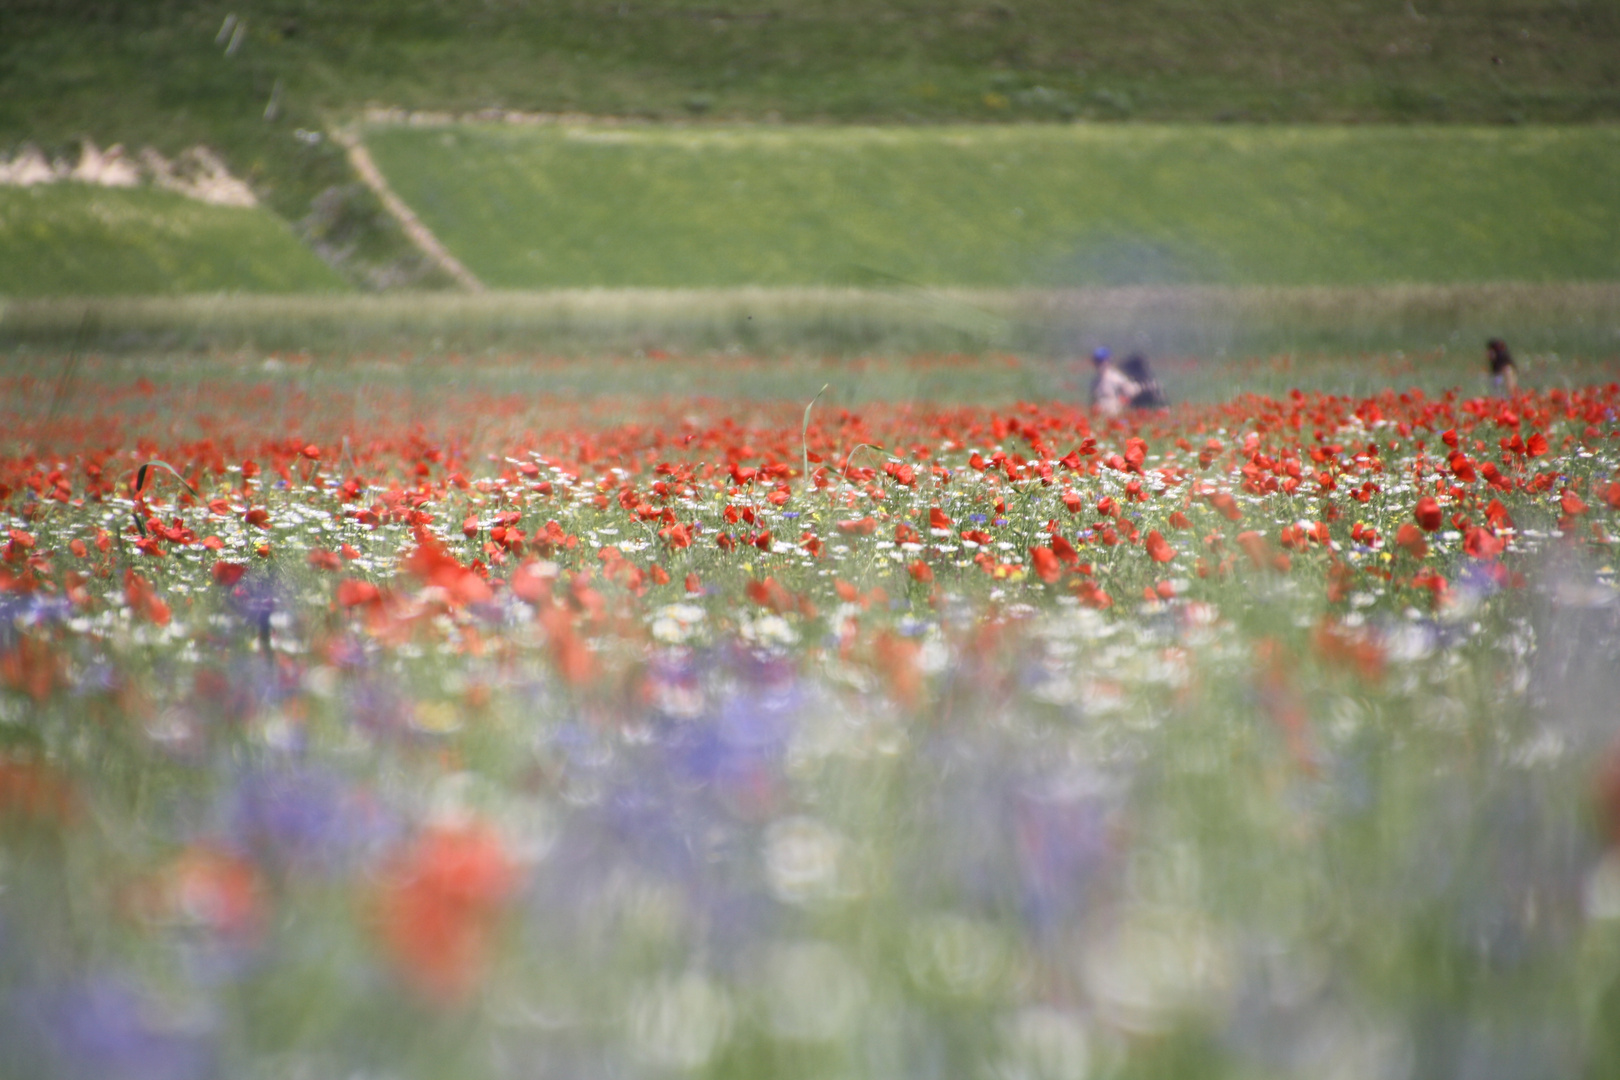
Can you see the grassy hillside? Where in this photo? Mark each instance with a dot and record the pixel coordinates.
(172, 73)
(528, 207)
(1473, 60)
(72, 238)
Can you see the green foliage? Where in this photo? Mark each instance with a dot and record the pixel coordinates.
(656, 206)
(1469, 60)
(72, 238)
(147, 73)
(784, 343)
(166, 73)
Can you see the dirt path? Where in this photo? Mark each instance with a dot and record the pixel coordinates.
(420, 234)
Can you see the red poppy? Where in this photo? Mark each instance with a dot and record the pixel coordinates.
(1064, 550)
(1606, 788)
(1410, 539)
(35, 791)
(352, 593)
(218, 889)
(1255, 547)
(144, 600)
(1046, 564)
(1481, 543)
(1158, 549)
(438, 906)
(769, 593)
(434, 566)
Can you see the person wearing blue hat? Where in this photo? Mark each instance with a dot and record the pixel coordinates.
(1111, 390)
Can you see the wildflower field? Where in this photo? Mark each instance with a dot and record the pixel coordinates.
(434, 729)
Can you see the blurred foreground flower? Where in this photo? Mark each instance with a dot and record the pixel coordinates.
(99, 1029)
(438, 907)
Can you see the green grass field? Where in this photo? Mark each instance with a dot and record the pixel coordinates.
(173, 73)
(75, 239)
(528, 207)
(1208, 343)
(1311, 60)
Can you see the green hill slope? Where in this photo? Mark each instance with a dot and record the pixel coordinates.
(75, 239)
(94, 62)
(528, 207)
(260, 80)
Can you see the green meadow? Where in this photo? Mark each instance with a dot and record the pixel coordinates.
(254, 80)
(955, 345)
(601, 205)
(72, 239)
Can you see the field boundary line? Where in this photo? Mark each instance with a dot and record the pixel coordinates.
(419, 233)
(1551, 300)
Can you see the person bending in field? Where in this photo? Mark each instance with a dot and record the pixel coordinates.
(1149, 394)
(1504, 372)
(1111, 389)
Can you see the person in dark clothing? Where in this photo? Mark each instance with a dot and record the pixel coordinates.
(1149, 394)
(1504, 372)
(1111, 391)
